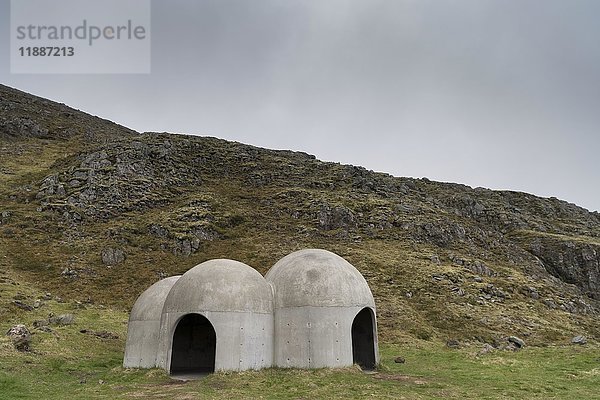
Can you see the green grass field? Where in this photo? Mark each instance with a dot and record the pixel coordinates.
(430, 372)
(66, 364)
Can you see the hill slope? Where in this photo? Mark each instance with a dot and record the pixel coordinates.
(94, 212)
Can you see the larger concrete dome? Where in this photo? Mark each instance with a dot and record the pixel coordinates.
(217, 316)
(318, 278)
(220, 285)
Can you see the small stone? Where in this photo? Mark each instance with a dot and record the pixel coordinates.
(69, 273)
(63, 319)
(453, 344)
(579, 339)
(487, 348)
(533, 293)
(60, 191)
(549, 303)
(516, 341)
(399, 360)
(39, 323)
(22, 305)
(100, 334)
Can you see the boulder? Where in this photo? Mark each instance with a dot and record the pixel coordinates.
(519, 343)
(579, 339)
(572, 262)
(20, 336)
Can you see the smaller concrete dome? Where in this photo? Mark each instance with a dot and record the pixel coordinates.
(220, 285)
(144, 325)
(318, 278)
(148, 307)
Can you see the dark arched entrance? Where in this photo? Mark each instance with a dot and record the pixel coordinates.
(363, 339)
(194, 345)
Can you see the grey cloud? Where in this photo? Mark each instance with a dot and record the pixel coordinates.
(495, 93)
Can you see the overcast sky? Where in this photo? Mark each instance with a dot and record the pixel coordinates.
(501, 94)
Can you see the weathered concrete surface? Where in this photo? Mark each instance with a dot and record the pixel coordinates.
(317, 295)
(318, 278)
(300, 316)
(244, 339)
(220, 285)
(314, 337)
(144, 325)
(236, 300)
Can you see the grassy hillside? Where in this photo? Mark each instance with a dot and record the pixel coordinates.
(93, 213)
(65, 363)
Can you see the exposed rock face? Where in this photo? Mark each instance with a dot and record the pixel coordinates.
(335, 217)
(114, 180)
(23, 127)
(169, 197)
(573, 262)
(20, 336)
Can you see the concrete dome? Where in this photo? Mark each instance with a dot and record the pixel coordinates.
(220, 285)
(318, 278)
(144, 325)
(217, 316)
(313, 310)
(148, 307)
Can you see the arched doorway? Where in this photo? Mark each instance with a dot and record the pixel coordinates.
(194, 345)
(363, 339)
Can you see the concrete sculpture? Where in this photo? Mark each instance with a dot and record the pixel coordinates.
(313, 309)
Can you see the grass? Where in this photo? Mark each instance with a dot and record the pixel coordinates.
(431, 371)
(68, 364)
(532, 235)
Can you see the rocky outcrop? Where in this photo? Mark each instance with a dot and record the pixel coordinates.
(122, 198)
(117, 179)
(21, 127)
(572, 261)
